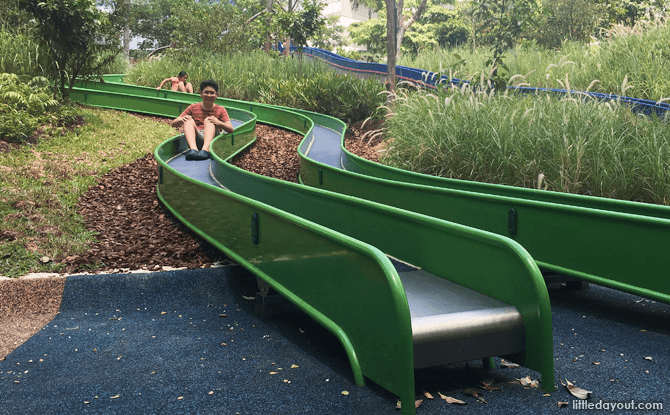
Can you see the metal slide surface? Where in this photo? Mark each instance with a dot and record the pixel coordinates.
(326, 252)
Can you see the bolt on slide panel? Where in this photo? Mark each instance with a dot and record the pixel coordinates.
(327, 254)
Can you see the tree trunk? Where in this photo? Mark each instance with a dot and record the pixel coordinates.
(126, 42)
(269, 10)
(390, 47)
(404, 25)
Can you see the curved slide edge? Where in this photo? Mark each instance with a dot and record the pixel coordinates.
(484, 262)
(539, 354)
(349, 287)
(618, 250)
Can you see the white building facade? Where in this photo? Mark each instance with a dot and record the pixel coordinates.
(347, 15)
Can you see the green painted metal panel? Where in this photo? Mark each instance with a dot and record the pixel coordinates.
(359, 165)
(328, 275)
(445, 249)
(619, 250)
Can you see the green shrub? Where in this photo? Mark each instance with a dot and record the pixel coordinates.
(25, 106)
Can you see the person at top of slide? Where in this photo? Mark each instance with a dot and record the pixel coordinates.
(178, 83)
(204, 120)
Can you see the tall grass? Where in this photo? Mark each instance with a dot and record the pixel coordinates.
(259, 77)
(639, 55)
(567, 145)
(21, 54)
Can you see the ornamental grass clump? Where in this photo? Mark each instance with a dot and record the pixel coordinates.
(640, 54)
(567, 144)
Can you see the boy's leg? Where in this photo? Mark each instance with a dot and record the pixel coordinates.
(189, 132)
(189, 88)
(209, 133)
(181, 87)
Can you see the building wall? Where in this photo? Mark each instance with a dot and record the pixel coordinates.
(348, 15)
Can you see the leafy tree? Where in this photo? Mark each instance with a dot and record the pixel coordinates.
(502, 22)
(629, 12)
(210, 28)
(576, 20)
(371, 34)
(408, 19)
(152, 20)
(303, 24)
(448, 26)
(79, 37)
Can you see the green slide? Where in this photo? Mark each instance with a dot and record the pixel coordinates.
(468, 294)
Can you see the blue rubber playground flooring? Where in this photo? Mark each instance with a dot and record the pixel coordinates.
(188, 342)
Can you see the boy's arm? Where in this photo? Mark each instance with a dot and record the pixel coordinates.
(179, 121)
(162, 83)
(227, 126)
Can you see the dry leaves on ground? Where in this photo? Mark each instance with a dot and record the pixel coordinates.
(575, 391)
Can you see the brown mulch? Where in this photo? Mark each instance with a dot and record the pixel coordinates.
(26, 305)
(136, 232)
(275, 154)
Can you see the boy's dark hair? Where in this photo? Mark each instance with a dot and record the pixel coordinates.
(182, 73)
(209, 82)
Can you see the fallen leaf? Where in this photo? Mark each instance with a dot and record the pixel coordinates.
(223, 315)
(528, 382)
(596, 363)
(248, 298)
(575, 391)
(450, 400)
(649, 358)
(211, 393)
(487, 385)
(274, 373)
(505, 364)
(562, 404)
(180, 398)
(471, 392)
(163, 313)
(427, 395)
(86, 402)
(45, 259)
(114, 397)
(345, 393)
(294, 366)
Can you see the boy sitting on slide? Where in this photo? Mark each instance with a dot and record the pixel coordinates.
(178, 83)
(205, 120)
